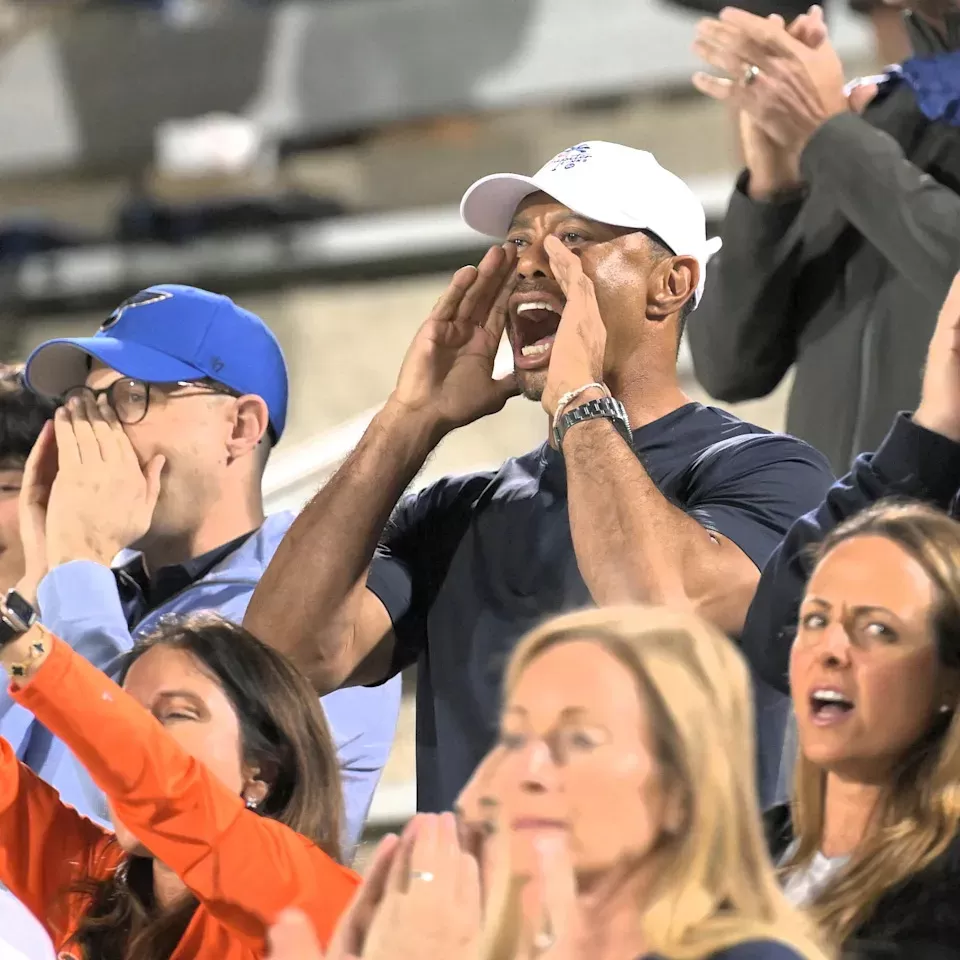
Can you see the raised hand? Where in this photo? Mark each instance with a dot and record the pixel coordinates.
(292, 937)
(447, 374)
(531, 912)
(39, 474)
(939, 408)
(797, 82)
(773, 169)
(103, 498)
(578, 349)
(420, 899)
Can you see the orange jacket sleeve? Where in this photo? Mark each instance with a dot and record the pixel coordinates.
(45, 846)
(244, 868)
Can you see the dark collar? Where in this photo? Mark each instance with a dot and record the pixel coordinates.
(168, 581)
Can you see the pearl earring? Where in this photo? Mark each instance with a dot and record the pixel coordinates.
(945, 708)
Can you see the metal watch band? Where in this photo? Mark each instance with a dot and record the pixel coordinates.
(605, 408)
(17, 616)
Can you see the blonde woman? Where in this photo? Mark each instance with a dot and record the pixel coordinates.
(872, 848)
(627, 751)
(618, 813)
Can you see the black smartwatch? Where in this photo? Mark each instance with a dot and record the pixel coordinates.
(17, 616)
(605, 408)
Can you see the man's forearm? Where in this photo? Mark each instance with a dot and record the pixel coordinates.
(630, 541)
(308, 600)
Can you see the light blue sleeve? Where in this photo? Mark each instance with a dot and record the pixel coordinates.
(79, 602)
(362, 720)
(15, 724)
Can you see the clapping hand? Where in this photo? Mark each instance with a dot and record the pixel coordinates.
(788, 84)
(531, 912)
(293, 938)
(420, 899)
(447, 374)
(939, 408)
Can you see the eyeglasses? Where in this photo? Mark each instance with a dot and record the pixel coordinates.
(130, 399)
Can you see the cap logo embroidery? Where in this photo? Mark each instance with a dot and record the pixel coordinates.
(570, 157)
(140, 299)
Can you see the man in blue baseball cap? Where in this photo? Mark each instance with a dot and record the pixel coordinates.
(143, 500)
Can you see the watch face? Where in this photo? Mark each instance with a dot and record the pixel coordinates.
(19, 609)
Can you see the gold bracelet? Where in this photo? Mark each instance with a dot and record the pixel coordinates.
(36, 650)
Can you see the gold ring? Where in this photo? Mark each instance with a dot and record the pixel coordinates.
(750, 73)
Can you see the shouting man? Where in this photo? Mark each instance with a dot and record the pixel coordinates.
(638, 494)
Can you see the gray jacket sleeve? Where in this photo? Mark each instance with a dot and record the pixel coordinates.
(737, 334)
(913, 220)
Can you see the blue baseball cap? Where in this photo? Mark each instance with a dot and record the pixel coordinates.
(168, 333)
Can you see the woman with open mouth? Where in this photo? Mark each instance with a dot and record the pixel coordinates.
(872, 848)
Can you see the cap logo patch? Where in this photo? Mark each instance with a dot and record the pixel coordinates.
(570, 157)
(140, 299)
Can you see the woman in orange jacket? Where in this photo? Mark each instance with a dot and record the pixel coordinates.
(223, 785)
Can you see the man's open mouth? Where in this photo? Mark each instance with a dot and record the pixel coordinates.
(534, 324)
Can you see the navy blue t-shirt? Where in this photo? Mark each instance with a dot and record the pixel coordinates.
(469, 564)
(754, 950)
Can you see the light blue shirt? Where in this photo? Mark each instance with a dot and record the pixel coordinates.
(79, 603)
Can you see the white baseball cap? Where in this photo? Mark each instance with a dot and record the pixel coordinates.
(606, 182)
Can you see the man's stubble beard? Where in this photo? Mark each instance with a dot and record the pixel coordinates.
(533, 384)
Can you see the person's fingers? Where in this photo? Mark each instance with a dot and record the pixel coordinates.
(87, 443)
(293, 937)
(104, 433)
(949, 316)
(564, 264)
(758, 29)
(353, 926)
(445, 308)
(68, 450)
(861, 96)
(719, 88)
(492, 270)
(448, 851)
(425, 855)
(496, 319)
(556, 883)
(468, 890)
(776, 20)
(40, 468)
(731, 49)
(504, 921)
(506, 388)
(378, 870)
(399, 877)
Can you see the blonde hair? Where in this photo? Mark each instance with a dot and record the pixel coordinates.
(719, 887)
(919, 814)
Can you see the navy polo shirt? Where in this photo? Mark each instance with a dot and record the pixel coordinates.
(469, 564)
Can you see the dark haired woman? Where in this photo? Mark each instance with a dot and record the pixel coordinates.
(223, 785)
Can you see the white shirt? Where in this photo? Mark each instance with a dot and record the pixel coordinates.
(22, 937)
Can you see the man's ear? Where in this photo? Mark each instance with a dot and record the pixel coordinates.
(671, 284)
(250, 422)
